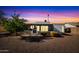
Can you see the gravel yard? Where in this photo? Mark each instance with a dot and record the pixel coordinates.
(66, 44)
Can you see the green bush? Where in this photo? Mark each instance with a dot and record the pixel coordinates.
(14, 25)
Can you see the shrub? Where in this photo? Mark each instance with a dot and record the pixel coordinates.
(14, 25)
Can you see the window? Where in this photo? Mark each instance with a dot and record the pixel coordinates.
(38, 28)
(44, 28)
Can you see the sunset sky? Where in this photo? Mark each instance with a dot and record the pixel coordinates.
(39, 13)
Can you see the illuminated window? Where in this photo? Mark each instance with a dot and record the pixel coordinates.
(38, 27)
(44, 28)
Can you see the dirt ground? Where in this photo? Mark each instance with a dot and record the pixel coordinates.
(66, 44)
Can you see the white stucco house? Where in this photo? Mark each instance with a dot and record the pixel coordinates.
(47, 27)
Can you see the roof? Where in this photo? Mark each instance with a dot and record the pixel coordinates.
(43, 23)
(37, 23)
(69, 25)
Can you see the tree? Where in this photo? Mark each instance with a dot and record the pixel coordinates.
(18, 24)
(14, 24)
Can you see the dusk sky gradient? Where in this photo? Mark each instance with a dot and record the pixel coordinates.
(39, 13)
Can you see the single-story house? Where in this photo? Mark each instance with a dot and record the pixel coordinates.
(47, 27)
(41, 26)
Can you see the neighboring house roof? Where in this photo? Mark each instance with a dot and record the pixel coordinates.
(69, 26)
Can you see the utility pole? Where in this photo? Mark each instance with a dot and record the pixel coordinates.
(48, 18)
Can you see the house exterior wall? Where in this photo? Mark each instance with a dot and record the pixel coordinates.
(59, 28)
(43, 27)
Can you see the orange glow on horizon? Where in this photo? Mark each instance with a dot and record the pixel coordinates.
(53, 20)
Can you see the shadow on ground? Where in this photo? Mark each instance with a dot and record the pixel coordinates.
(66, 34)
(35, 39)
